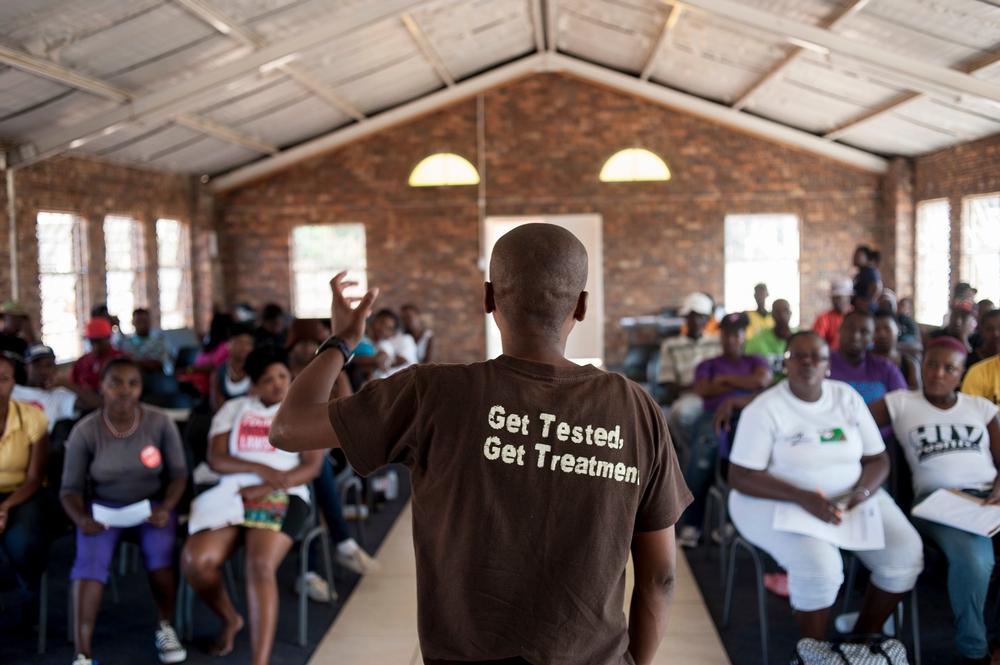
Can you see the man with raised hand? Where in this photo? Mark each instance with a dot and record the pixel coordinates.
(533, 477)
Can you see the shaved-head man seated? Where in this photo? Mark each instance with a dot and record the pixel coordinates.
(533, 477)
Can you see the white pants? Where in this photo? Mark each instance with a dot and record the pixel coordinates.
(815, 567)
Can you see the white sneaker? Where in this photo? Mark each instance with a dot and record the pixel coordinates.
(316, 588)
(689, 536)
(83, 660)
(168, 647)
(844, 623)
(353, 512)
(358, 562)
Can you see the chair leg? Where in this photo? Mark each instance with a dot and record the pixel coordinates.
(915, 626)
(730, 581)
(324, 542)
(303, 595)
(758, 565)
(43, 612)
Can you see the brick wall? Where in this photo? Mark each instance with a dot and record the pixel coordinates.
(546, 139)
(969, 169)
(92, 190)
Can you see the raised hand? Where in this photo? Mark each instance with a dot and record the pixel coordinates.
(347, 320)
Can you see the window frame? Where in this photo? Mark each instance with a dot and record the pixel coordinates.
(966, 250)
(746, 289)
(186, 287)
(360, 272)
(80, 270)
(139, 270)
(924, 312)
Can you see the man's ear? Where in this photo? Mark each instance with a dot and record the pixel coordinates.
(581, 306)
(489, 303)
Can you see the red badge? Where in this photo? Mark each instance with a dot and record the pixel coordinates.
(150, 457)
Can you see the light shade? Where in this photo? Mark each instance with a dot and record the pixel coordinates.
(444, 169)
(634, 165)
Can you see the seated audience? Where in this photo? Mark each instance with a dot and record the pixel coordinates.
(212, 355)
(730, 375)
(230, 379)
(271, 331)
(679, 356)
(51, 391)
(395, 350)
(988, 343)
(812, 442)
(17, 334)
(88, 368)
(827, 324)
(23, 448)
(148, 348)
(983, 379)
(871, 375)
(909, 333)
(413, 325)
(272, 487)
(867, 285)
(100, 311)
(886, 345)
(960, 323)
(951, 440)
(759, 319)
(770, 343)
(121, 455)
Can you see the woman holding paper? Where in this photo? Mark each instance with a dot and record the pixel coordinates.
(24, 441)
(125, 470)
(270, 488)
(951, 441)
(810, 442)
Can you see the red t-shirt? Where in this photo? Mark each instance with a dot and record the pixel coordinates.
(87, 369)
(827, 325)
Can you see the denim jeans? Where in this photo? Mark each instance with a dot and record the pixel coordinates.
(25, 543)
(699, 472)
(328, 501)
(970, 564)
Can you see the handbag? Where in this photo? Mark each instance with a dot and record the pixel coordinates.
(875, 650)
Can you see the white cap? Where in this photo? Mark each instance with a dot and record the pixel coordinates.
(842, 287)
(698, 303)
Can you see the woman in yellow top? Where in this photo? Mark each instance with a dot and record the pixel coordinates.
(23, 446)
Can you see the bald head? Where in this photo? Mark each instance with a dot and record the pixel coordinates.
(538, 272)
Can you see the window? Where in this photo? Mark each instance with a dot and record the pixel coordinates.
(320, 251)
(933, 261)
(444, 169)
(762, 248)
(634, 165)
(981, 245)
(62, 278)
(173, 244)
(126, 268)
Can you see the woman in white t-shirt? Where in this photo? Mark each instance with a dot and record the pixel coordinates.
(273, 485)
(812, 441)
(951, 440)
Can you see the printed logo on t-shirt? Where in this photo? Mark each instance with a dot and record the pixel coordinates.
(835, 435)
(560, 447)
(251, 437)
(150, 457)
(933, 440)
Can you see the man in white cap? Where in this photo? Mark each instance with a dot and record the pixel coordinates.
(679, 356)
(827, 324)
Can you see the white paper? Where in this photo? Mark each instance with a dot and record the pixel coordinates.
(217, 507)
(860, 528)
(131, 515)
(961, 511)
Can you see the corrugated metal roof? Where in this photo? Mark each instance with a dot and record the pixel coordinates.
(145, 49)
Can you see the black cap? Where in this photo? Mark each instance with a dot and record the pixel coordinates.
(734, 321)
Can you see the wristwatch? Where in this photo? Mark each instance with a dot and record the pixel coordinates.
(334, 342)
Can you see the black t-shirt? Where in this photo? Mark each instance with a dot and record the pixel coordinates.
(529, 481)
(864, 280)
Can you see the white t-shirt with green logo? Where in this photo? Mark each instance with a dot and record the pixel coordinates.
(812, 445)
(944, 447)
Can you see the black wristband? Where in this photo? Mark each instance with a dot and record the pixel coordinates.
(334, 342)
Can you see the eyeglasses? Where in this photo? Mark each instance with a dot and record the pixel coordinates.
(802, 356)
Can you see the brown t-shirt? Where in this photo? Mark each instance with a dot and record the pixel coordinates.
(528, 483)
